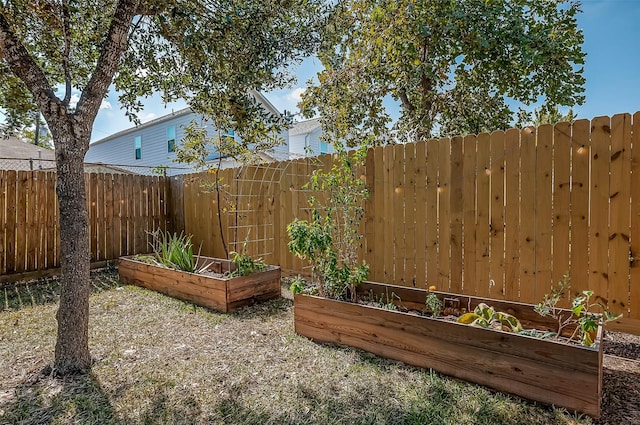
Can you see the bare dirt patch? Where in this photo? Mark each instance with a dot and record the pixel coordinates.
(163, 361)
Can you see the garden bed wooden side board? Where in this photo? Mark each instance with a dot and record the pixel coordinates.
(544, 370)
(222, 294)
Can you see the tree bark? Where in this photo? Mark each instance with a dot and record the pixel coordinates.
(72, 345)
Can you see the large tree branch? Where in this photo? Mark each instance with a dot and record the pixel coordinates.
(405, 100)
(114, 45)
(24, 67)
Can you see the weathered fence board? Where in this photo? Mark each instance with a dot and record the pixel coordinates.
(520, 208)
(29, 228)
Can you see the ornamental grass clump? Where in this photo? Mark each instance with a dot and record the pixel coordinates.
(174, 251)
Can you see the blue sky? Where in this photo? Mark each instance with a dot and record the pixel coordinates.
(612, 43)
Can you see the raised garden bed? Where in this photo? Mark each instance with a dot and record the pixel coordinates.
(209, 289)
(545, 370)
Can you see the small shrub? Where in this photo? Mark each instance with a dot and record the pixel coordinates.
(298, 285)
(245, 264)
(434, 305)
(585, 321)
(330, 240)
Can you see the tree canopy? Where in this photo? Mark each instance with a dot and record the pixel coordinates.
(453, 66)
(212, 53)
(209, 53)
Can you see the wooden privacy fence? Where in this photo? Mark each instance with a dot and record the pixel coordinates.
(122, 208)
(504, 215)
(507, 214)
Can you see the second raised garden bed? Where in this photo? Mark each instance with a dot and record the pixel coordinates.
(224, 294)
(545, 370)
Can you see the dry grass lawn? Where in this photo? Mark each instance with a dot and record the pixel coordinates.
(163, 361)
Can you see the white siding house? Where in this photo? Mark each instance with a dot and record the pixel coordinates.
(149, 145)
(304, 139)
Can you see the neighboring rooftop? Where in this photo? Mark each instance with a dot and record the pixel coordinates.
(14, 148)
(257, 95)
(166, 117)
(304, 127)
(18, 155)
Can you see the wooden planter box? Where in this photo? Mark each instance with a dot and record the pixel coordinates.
(222, 294)
(546, 370)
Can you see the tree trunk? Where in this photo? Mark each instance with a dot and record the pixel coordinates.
(72, 346)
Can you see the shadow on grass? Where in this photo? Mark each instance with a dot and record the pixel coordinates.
(43, 399)
(19, 295)
(82, 400)
(321, 406)
(165, 409)
(264, 309)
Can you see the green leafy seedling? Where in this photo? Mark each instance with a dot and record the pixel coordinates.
(485, 316)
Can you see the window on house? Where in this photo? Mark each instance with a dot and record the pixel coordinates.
(228, 135)
(138, 145)
(323, 147)
(171, 138)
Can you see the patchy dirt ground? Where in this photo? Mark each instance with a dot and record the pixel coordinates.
(621, 381)
(163, 361)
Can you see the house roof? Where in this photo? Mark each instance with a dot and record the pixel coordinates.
(154, 121)
(14, 148)
(256, 94)
(304, 127)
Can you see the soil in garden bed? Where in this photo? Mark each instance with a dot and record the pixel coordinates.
(452, 312)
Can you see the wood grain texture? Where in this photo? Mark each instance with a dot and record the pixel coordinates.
(421, 214)
(496, 221)
(561, 201)
(541, 370)
(512, 215)
(543, 212)
(456, 211)
(483, 205)
(634, 251)
(444, 213)
(469, 283)
(619, 216)
(222, 294)
(599, 216)
(432, 212)
(527, 215)
(580, 147)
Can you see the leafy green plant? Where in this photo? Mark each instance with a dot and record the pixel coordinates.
(486, 316)
(330, 240)
(580, 315)
(245, 264)
(298, 285)
(385, 300)
(175, 251)
(311, 240)
(434, 304)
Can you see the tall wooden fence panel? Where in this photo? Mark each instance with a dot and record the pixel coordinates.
(122, 210)
(504, 215)
(507, 214)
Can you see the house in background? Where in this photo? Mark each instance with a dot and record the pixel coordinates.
(143, 148)
(304, 139)
(18, 155)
